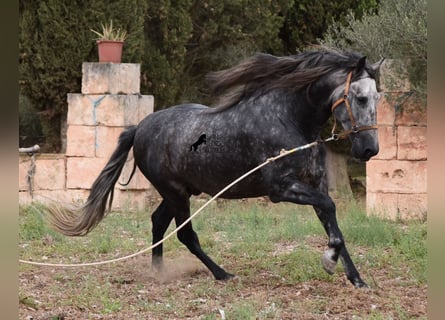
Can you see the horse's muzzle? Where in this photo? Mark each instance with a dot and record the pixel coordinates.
(365, 145)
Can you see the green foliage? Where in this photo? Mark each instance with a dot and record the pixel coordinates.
(397, 31)
(226, 31)
(307, 20)
(33, 222)
(167, 29)
(110, 33)
(30, 129)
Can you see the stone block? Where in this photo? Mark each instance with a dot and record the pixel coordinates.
(130, 200)
(110, 78)
(397, 205)
(396, 176)
(118, 110)
(145, 106)
(385, 112)
(81, 172)
(24, 167)
(387, 143)
(108, 110)
(412, 143)
(80, 109)
(106, 140)
(413, 206)
(138, 182)
(382, 204)
(49, 172)
(80, 141)
(61, 197)
(411, 112)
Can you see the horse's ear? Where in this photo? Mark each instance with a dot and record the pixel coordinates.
(360, 65)
(376, 66)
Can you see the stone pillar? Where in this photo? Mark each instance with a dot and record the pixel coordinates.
(397, 177)
(110, 101)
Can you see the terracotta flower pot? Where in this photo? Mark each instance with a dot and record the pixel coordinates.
(110, 51)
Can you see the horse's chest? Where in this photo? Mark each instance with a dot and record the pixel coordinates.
(311, 169)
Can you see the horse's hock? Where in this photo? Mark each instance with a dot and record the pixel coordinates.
(396, 180)
(109, 102)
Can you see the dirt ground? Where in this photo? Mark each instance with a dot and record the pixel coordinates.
(46, 293)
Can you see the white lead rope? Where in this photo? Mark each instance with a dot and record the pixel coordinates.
(282, 154)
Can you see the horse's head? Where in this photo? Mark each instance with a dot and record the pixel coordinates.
(354, 106)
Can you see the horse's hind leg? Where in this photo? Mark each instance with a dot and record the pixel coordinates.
(190, 239)
(161, 219)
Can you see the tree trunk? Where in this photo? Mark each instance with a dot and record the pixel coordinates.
(337, 175)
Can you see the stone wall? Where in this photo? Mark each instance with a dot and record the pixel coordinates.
(109, 102)
(397, 177)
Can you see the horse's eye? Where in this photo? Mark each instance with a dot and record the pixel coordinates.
(362, 99)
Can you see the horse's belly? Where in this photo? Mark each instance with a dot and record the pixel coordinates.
(252, 186)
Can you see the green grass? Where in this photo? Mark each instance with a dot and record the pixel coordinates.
(249, 238)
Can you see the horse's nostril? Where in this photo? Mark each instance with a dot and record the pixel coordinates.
(369, 153)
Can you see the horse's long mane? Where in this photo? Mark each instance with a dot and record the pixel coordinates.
(264, 72)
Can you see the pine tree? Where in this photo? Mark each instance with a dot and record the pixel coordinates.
(166, 32)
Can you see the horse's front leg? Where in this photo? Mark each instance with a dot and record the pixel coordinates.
(331, 255)
(291, 190)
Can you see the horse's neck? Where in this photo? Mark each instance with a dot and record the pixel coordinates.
(308, 115)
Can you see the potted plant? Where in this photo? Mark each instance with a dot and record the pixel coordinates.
(110, 43)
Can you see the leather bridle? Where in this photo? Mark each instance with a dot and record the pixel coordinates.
(354, 128)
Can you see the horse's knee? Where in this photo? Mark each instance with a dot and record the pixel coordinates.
(336, 243)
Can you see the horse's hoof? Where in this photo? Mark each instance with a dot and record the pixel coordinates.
(328, 262)
(360, 284)
(225, 276)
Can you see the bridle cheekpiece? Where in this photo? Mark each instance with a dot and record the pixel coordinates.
(345, 99)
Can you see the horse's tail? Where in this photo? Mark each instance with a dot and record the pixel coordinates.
(81, 220)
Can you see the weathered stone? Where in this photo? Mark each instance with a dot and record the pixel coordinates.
(396, 176)
(412, 143)
(412, 206)
(382, 204)
(110, 101)
(81, 172)
(24, 167)
(387, 143)
(110, 78)
(80, 141)
(108, 110)
(106, 140)
(138, 182)
(411, 112)
(130, 200)
(385, 112)
(145, 106)
(49, 173)
(397, 205)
